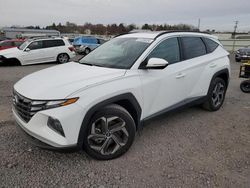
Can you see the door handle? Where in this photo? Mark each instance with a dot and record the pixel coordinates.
(180, 75)
(212, 65)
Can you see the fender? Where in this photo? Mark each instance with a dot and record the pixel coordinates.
(223, 71)
(126, 96)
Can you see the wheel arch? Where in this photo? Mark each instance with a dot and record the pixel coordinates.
(223, 74)
(126, 100)
(61, 54)
(13, 59)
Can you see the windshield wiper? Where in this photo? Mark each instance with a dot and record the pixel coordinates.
(98, 65)
(90, 64)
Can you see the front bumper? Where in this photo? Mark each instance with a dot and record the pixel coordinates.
(70, 117)
(41, 144)
(242, 57)
(2, 59)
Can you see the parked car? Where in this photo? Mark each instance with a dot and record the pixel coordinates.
(39, 50)
(99, 103)
(84, 45)
(71, 40)
(242, 54)
(6, 44)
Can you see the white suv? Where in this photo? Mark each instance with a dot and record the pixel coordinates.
(99, 103)
(39, 50)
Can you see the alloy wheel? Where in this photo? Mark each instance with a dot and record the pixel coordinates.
(218, 94)
(63, 58)
(87, 51)
(108, 135)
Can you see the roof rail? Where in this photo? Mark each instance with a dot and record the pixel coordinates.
(134, 31)
(175, 31)
(44, 37)
(161, 32)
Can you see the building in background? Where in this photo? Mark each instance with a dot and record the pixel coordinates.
(12, 33)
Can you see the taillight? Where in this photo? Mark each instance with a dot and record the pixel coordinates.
(72, 49)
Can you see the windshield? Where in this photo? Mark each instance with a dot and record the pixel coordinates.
(24, 45)
(118, 53)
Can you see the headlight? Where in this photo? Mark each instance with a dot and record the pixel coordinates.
(53, 103)
(237, 51)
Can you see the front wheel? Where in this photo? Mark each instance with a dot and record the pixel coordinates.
(110, 133)
(237, 60)
(245, 86)
(216, 95)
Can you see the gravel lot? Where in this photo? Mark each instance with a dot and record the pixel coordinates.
(190, 148)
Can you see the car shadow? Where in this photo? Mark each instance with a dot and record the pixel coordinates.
(9, 64)
(14, 64)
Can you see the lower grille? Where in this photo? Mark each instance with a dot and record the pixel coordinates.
(26, 108)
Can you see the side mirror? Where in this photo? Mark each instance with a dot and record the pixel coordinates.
(156, 63)
(27, 50)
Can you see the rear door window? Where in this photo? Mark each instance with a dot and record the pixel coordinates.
(192, 47)
(53, 43)
(211, 45)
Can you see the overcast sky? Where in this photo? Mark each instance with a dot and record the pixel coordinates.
(214, 14)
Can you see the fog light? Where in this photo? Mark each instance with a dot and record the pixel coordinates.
(55, 125)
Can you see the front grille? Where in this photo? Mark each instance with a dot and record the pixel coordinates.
(26, 108)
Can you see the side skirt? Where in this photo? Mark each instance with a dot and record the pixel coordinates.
(179, 106)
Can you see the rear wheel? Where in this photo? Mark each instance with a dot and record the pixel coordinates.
(110, 133)
(216, 95)
(87, 51)
(63, 58)
(245, 86)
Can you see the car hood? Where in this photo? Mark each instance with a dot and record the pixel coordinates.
(244, 50)
(9, 51)
(60, 81)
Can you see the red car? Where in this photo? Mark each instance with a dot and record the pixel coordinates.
(10, 43)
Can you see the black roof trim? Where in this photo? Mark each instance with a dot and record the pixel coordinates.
(175, 31)
(162, 33)
(121, 34)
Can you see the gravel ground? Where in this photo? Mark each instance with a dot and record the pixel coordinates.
(190, 148)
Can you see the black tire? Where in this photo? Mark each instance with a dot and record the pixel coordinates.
(87, 51)
(245, 86)
(237, 60)
(13, 62)
(63, 58)
(109, 144)
(215, 100)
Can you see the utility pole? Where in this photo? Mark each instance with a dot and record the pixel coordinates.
(235, 28)
(234, 33)
(199, 24)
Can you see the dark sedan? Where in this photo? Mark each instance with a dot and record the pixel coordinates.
(242, 54)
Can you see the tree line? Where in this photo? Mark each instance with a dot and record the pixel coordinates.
(111, 29)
